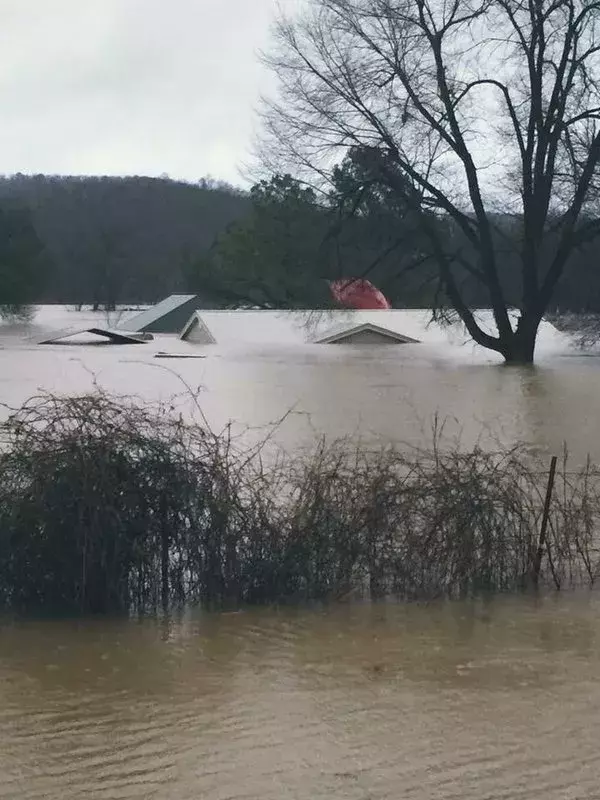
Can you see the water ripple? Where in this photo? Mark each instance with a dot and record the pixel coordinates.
(345, 704)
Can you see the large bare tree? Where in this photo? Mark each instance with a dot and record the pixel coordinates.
(468, 109)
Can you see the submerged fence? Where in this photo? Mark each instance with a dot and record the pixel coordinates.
(108, 505)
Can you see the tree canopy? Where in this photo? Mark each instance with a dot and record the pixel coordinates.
(470, 111)
(271, 258)
(295, 240)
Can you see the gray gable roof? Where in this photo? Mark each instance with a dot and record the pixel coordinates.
(350, 333)
(115, 336)
(168, 316)
(196, 330)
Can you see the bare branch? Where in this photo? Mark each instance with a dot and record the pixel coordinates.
(479, 105)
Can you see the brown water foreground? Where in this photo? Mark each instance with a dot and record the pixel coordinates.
(456, 700)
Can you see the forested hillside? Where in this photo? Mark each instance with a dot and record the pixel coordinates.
(292, 241)
(105, 241)
(112, 240)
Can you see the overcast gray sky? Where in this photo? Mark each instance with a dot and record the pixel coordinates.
(130, 86)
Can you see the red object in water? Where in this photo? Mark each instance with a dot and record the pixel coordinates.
(358, 293)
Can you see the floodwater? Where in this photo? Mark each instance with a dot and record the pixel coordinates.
(351, 703)
(262, 374)
(361, 702)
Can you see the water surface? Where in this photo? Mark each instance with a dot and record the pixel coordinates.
(461, 700)
(364, 702)
(263, 371)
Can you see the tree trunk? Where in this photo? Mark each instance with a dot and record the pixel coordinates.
(519, 347)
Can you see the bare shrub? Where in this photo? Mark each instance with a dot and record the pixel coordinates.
(17, 312)
(582, 327)
(107, 504)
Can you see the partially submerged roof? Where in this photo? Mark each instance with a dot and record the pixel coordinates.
(197, 331)
(271, 331)
(365, 333)
(168, 316)
(113, 336)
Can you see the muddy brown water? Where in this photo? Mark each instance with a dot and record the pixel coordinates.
(360, 702)
(461, 700)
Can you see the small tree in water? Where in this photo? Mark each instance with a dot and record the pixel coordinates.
(471, 111)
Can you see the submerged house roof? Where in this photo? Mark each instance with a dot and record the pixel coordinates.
(197, 331)
(365, 333)
(273, 330)
(113, 336)
(255, 328)
(168, 316)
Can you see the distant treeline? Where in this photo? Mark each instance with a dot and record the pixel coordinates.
(106, 240)
(111, 240)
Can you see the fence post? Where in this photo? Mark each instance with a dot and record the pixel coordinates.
(537, 564)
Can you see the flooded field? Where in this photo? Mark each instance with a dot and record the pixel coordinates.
(261, 372)
(354, 702)
(418, 702)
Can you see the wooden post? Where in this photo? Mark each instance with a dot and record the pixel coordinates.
(537, 564)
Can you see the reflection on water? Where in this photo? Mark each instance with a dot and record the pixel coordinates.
(496, 700)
